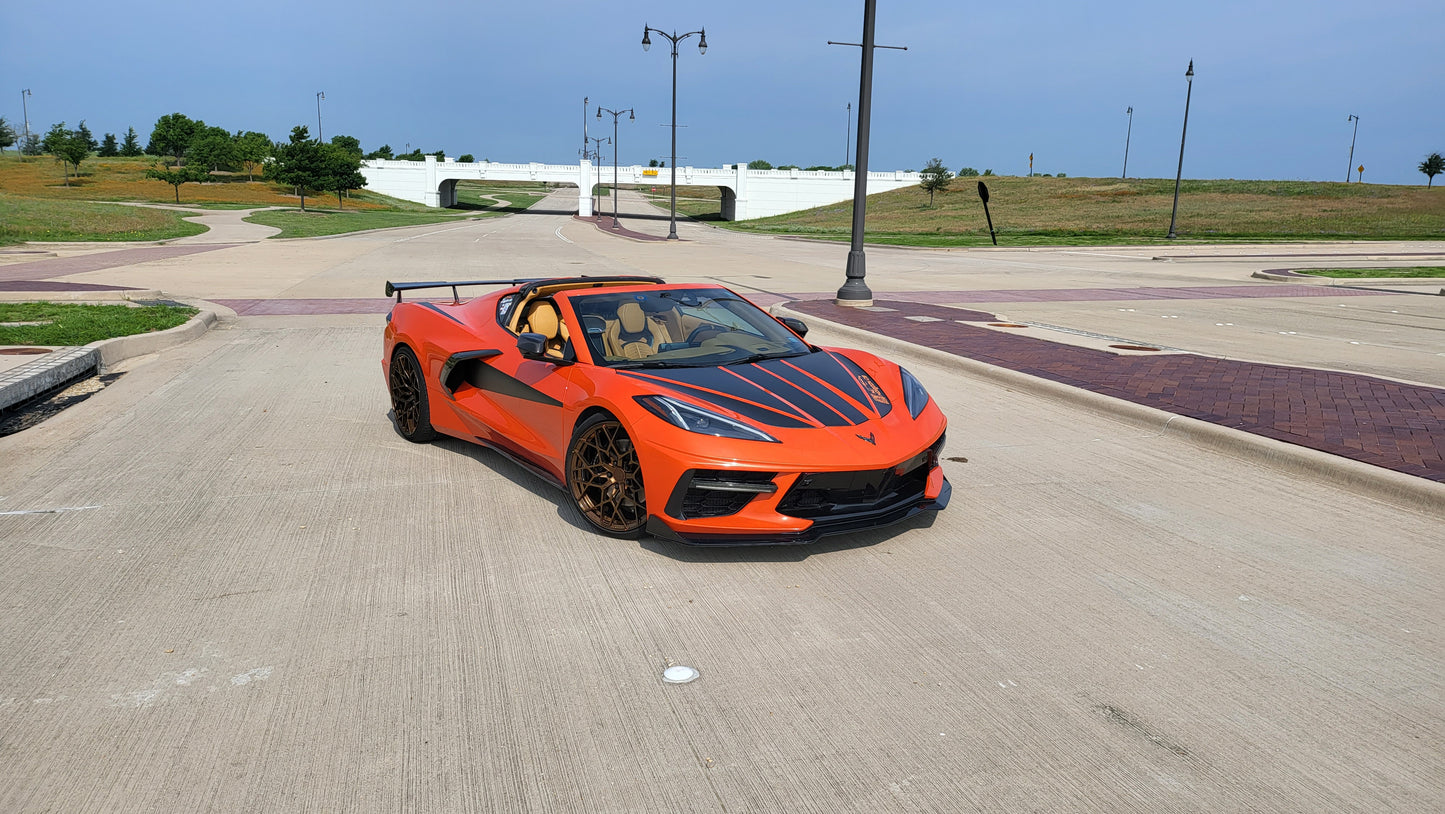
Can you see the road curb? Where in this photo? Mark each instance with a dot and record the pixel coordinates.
(20, 384)
(1377, 482)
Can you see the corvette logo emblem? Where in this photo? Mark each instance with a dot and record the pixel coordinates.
(869, 438)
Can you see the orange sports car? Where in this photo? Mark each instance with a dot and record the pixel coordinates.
(682, 411)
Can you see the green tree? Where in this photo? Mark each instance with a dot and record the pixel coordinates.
(31, 145)
(384, 152)
(441, 155)
(212, 148)
(466, 158)
(300, 164)
(131, 146)
(1432, 166)
(7, 134)
(967, 172)
(933, 177)
(175, 176)
(109, 148)
(84, 132)
(252, 149)
(351, 144)
(340, 171)
(173, 135)
(68, 147)
(759, 164)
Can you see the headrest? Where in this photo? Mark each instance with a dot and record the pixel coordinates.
(542, 319)
(632, 319)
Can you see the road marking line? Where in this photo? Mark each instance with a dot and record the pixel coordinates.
(437, 232)
(558, 233)
(50, 511)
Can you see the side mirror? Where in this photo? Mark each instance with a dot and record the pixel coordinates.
(532, 346)
(797, 326)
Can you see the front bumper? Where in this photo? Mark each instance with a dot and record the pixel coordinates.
(877, 517)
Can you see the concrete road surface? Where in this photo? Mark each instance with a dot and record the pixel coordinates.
(228, 585)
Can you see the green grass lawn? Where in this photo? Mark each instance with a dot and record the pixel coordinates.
(315, 223)
(46, 219)
(1101, 211)
(71, 324)
(1409, 272)
(489, 195)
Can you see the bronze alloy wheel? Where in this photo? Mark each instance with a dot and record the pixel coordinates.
(408, 398)
(605, 478)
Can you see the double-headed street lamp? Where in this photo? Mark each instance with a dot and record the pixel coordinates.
(616, 114)
(1189, 76)
(675, 38)
(598, 154)
(1351, 166)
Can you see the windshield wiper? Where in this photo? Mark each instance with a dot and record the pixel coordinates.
(643, 363)
(760, 357)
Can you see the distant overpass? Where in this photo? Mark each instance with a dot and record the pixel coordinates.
(746, 194)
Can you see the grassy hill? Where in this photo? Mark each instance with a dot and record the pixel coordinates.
(1047, 211)
(37, 203)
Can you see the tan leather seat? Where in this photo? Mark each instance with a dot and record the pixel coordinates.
(542, 319)
(633, 335)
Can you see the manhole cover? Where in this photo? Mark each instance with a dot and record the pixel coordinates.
(1006, 325)
(24, 351)
(1133, 347)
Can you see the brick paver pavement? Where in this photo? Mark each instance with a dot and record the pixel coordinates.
(79, 264)
(1393, 425)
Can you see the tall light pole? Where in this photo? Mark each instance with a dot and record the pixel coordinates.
(319, 96)
(26, 110)
(855, 291)
(1189, 76)
(848, 135)
(1349, 167)
(1127, 134)
(675, 38)
(616, 114)
(598, 153)
(584, 127)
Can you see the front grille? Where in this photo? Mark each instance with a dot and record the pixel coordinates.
(824, 494)
(719, 492)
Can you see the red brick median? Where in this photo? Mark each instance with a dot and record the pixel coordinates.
(1377, 421)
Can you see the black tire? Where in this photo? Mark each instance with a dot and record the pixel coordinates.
(409, 406)
(605, 478)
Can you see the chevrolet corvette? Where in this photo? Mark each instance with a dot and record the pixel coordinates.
(677, 410)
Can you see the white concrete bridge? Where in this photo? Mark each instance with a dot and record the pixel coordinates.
(746, 194)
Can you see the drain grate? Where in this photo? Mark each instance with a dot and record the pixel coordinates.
(1006, 325)
(24, 351)
(1134, 347)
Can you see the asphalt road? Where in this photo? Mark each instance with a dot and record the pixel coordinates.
(228, 585)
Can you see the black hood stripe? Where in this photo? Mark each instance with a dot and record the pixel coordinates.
(823, 389)
(717, 380)
(881, 406)
(756, 412)
(792, 392)
(830, 368)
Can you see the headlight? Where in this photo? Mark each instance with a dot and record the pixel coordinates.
(913, 394)
(705, 422)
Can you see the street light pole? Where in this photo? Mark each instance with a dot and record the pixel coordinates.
(1351, 165)
(616, 114)
(675, 38)
(26, 109)
(319, 96)
(848, 135)
(1189, 76)
(597, 207)
(855, 292)
(1127, 134)
(584, 127)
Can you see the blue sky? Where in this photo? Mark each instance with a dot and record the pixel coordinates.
(982, 84)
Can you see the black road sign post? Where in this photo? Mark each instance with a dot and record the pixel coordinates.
(983, 195)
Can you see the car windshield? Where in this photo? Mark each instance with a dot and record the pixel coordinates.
(693, 327)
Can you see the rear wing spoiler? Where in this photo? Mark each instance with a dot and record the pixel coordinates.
(397, 288)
